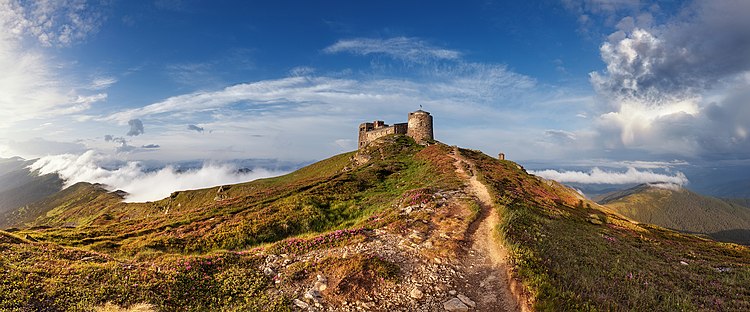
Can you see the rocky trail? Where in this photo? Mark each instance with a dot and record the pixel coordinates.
(486, 265)
(475, 278)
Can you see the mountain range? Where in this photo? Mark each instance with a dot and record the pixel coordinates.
(675, 207)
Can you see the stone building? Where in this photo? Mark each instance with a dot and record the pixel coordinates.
(418, 127)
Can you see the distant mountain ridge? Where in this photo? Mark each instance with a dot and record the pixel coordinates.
(19, 186)
(683, 210)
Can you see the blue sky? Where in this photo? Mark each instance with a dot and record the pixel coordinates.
(622, 83)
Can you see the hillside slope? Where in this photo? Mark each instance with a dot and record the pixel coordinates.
(683, 210)
(19, 186)
(395, 227)
(574, 255)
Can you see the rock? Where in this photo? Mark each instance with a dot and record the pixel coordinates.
(301, 304)
(595, 219)
(321, 283)
(683, 263)
(723, 269)
(452, 292)
(467, 301)
(320, 286)
(416, 293)
(314, 295)
(268, 271)
(455, 305)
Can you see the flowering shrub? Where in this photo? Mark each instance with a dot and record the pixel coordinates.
(419, 196)
(327, 240)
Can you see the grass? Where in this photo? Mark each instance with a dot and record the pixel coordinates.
(569, 263)
(189, 252)
(203, 250)
(686, 211)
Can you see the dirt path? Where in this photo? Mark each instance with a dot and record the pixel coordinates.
(485, 264)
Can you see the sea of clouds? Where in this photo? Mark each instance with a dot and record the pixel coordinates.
(141, 182)
(599, 176)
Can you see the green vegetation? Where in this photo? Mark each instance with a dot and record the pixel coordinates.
(568, 263)
(210, 249)
(201, 250)
(685, 211)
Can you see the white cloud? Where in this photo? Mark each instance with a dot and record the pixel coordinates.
(598, 176)
(60, 22)
(675, 88)
(38, 147)
(136, 127)
(195, 128)
(561, 135)
(466, 82)
(30, 85)
(401, 48)
(101, 83)
(141, 185)
(666, 186)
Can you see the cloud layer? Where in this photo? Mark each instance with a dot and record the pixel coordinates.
(598, 176)
(142, 185)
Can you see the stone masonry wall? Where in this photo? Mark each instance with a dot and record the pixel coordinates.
(420, 126)
(371, 135)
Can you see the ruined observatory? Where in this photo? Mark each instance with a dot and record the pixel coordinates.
(418, 127)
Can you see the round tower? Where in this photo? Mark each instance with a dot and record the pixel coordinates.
(420, 126)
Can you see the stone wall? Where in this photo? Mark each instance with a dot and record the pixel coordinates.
(418, 127)
(368, 136)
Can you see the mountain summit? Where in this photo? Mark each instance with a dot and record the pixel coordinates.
(394, 226)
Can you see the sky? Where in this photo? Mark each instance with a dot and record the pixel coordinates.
(630, 84)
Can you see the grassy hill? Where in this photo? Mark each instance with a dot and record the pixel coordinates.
(683, 210)
(256, 246)
(574, 255)
(19, 186)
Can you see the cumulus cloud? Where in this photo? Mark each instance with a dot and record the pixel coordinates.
(136, 127)
(142, 185)
(706, 43)
(598, 176)
(151, 146)
(401, 48)
(680, 87)
(195, 128)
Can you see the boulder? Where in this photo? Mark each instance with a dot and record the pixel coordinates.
(455, 305)
(416, 293)
(467, 301)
